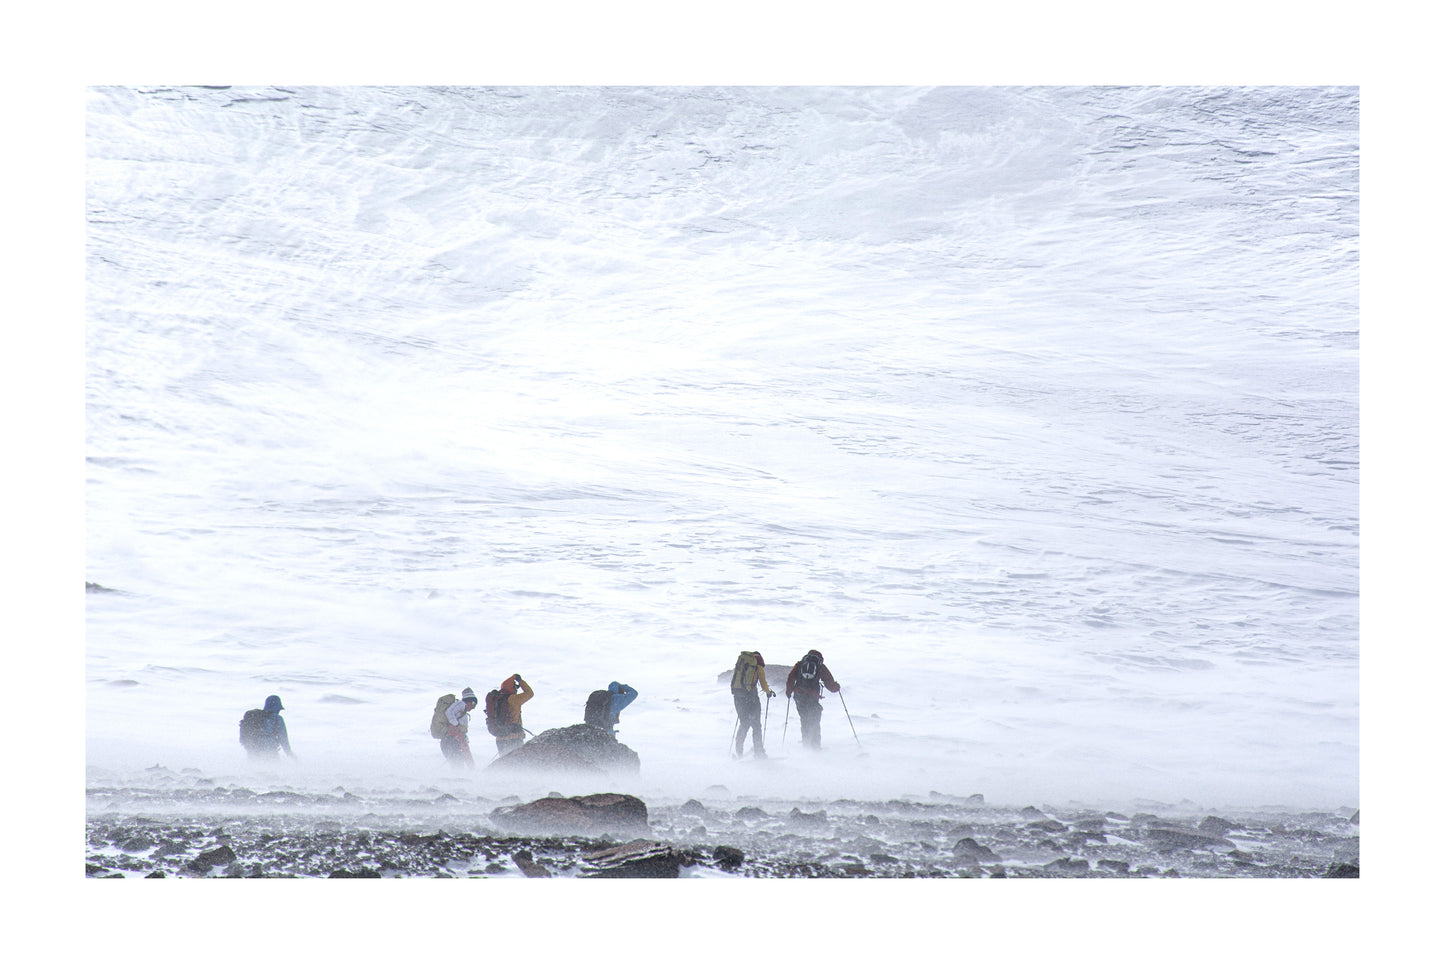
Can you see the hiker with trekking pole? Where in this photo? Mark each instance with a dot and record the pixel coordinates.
(749, 675)
(804, 688)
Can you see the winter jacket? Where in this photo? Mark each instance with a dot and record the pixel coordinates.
(273, 733)
(622, 697)
(512, 710)
(458, 715)
(810, 688)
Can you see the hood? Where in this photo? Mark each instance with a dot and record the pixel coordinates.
(273, 704)
(614, 687)
(814, 652)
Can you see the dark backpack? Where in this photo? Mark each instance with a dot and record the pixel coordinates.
(599, 710)
(439, 721)
(252, 729)
(808, 669)
(494, 707)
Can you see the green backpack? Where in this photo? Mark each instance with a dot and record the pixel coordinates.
(439, 721)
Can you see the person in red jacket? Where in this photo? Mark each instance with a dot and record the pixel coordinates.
(803, 687)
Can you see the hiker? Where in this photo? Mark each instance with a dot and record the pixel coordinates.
(455, 745)
(748, 674)
(263, 732)
(802, 687)
(604, 707)
(504, 713)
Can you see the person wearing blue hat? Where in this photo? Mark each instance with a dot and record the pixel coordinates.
(263, 732)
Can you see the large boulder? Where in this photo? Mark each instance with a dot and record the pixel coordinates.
(580, 747)
(595, 813)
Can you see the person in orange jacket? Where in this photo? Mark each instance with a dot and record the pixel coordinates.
(803, 687)
(505, 721)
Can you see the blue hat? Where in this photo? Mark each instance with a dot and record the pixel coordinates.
(273, 704)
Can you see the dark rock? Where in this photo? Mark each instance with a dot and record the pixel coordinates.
(1089, 824)
(1032, 812)
(579, 748)
(1343, 870)
(1052, 826)
(693, 807)
(775, 672)
(218, 857)
(640, 858)
(155, 874)
(750, 813)
(591, 814)
(1117, 866)
(883, 858)
(818, 818)
(728, 858)
(1067, 865)
(971, 849)
(364, 872)
(92, 869)
(973, 800)
(1356, 818)
(1217, 825)
(529, 867)
(137, 844)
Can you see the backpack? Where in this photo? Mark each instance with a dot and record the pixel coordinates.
(439, 721)
(745, 673)
(495, 704)
(599, 710)
(808, 670)
(252, 733)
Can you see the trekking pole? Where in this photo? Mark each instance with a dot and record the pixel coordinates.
(734, 741)
(766, 710)
(785, 720)
(850, 717)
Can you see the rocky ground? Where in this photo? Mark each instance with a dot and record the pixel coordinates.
(184, 825)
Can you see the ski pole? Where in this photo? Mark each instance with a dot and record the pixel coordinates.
(734, 741)
(766, 710)
(785, 720)
(850, 717)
